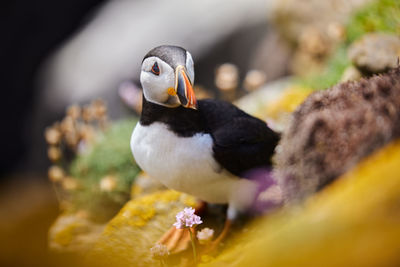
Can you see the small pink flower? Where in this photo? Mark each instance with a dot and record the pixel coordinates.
(187, 218)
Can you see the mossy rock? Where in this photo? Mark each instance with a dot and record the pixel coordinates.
(353, 222)
(128, 237)
(110, 156)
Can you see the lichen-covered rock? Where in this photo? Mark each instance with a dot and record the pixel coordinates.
(334, 129)
(145, 185)
(375, 52)
(128, 237)
(74, 232)
(353, 222)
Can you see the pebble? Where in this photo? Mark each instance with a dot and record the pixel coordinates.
(375, 52)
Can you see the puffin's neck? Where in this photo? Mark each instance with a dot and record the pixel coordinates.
(182, 121)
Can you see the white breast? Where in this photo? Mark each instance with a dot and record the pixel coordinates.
(182, 163)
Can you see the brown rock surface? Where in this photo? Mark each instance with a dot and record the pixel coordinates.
(334, 129)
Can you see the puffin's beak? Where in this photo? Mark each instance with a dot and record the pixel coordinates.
(184, 89)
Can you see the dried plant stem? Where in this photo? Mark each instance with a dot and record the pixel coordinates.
(57, 193)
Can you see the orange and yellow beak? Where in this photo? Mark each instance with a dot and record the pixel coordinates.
(184, 89)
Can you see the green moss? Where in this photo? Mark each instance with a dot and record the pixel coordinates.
(331, 74)
(110, 155)
(378, 16)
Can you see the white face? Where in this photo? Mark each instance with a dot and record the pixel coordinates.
(157, 88)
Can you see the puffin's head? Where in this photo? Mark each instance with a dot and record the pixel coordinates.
(167, 77)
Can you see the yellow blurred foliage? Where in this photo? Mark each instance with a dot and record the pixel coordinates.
(289, 100)
(353, 222)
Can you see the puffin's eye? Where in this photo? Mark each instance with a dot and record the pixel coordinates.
(155, 69)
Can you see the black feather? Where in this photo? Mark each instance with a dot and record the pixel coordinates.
(174, 55)
(241, 142)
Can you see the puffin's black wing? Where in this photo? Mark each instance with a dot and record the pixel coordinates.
(241, 142)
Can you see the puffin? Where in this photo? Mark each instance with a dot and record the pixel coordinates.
(203, 148)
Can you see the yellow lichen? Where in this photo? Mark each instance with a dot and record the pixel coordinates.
(66, 235)
(73, 232)
(172, 196)
(188, 200)
(127, 239)
(353, 222)
(287, 102)
(136, 190)
(143, 209)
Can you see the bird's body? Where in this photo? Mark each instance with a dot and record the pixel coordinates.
(164, 155)
(203, 148)
(204, 152)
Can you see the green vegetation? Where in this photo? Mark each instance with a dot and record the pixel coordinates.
(331, 74)
(378, 16)
(110, 156)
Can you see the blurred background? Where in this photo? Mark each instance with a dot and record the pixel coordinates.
(55, 54)
(60, 53)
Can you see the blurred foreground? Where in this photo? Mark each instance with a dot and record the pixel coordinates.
(337, 163)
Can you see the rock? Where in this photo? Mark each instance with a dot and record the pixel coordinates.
(334, 129)
(144, 185)
(351, 73)
(375, 52)
(73, 232)
(129, 236)
(353, 222)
